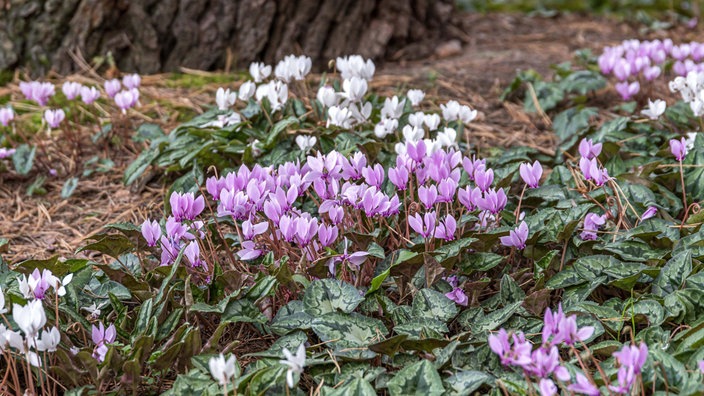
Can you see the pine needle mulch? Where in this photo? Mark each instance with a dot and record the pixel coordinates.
(493, 47)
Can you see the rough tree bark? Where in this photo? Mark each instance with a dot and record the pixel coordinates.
(149, 36)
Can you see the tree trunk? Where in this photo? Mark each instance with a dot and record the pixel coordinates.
(149, 36)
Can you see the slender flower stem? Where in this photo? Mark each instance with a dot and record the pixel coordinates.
(520, 200)
(684, 192)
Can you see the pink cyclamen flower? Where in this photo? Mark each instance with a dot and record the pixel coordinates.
(112, 87)
(131, 81)
(517, 238)
(327, 235)
(192, 253)
(518, 354)
(446, 229)
(626, 90)
(632, 356)
(471, 165)
(417, 151)
(54, 117)
(650, 212)
(101, 338)
(126, 99)
(571, 334)
(186, 206)
(531, 174)
(89, 94)
(37, 91)
(678, 148)
(583, 386)
(547, 387)
(701, 366)
(551, 326)
(6, 152)
(71, 89)
(483, 178)
(492, 201)
(589, 149)
(592, 222)
(250, 251)
(424, 225)
(151, 231)
(622, 70)
(591, 171)
(355, 259)
(399, 177)
(6, 115)
(651, 73)
(458, 296)
(428, 195)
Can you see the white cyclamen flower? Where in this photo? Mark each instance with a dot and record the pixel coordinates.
(393, 108)
(697, 106)
(447, 138)
(259, 71)
(415, 96)
(59, 285)
(400, 148)
(293, 68)
(450, 110)
(305, 143)
(354, 89)
(655, 109)
(275, 91)
(29, 318)
(385, 127)
(432, 121)
(355, 66)
(361, 115)
(247, 90)
(417, 119)
(295, 363)
(93, 310)
(412, 134)
(49, 340)
(432, 145)
(327, 96)
(222, 370)
(339, 116)
(689, 140)
(467, 114)
(2, 302)
(224, 98)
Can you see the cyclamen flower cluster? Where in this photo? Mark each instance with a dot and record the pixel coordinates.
(101, 338)
(182, 230)
(31, 337)
(631, 359)
(264, 201)
(545, 364)
(691, 88)
(645, 60)
(39, 283)
(127, 97)
(589, 164)
(275, 91)
(39, 92)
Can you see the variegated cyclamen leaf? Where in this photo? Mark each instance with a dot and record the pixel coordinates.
(351, 330)
(433, 305)
(330, 295)
(463, 383)
(420, 378)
